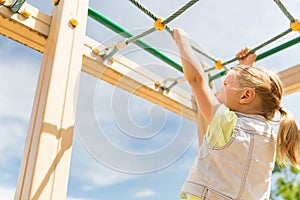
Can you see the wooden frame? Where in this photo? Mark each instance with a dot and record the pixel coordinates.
(45, 164)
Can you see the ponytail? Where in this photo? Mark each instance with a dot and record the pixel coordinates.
(288, 139)
(268, 87)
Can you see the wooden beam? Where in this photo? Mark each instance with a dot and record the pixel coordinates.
(32, 31)
(135, 79)
(44, 170)
(290, 79)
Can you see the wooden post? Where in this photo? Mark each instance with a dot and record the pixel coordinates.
(45, 164)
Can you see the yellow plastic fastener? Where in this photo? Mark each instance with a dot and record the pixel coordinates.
(219, 64)
(158, 25)
(112, 59)
(2, 1)
(157, 84)
(25, 13)
(74, 21)
(95, 51)
(55, 2)
(295, 26)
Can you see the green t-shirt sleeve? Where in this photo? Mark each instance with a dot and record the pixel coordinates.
(189, 197)
(221, 128)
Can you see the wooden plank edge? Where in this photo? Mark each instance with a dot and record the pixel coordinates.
(290, 79)
(31, 31)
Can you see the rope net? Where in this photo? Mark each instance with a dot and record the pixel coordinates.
(161, 24)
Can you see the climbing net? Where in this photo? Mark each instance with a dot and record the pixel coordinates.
(162, 24)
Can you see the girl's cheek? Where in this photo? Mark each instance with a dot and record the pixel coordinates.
(220, 96)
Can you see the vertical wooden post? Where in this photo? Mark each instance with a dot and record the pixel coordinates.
(45, 164)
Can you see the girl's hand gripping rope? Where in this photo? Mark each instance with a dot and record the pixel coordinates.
(246, 57)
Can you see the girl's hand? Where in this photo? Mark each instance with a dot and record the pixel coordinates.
(245, 58)
(180, 36)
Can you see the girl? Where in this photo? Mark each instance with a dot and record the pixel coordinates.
(237, 156)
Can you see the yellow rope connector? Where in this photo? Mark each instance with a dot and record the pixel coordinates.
(112, 59)
(2, 1)
(74, 21)
(95, 51)
(219, 64)
(158, 25)
(25, 13)
(157, 84)
(55, 2)
(295, 26)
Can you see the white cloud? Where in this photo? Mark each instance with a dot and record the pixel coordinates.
(7, 193)
(13, 134)
(101, 176)
(91, 172)
(18, 77)
(145, 193)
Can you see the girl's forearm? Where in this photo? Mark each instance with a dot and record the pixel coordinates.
(194, 73)
(192, 68)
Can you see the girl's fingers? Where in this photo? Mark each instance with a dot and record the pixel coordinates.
(243, 52)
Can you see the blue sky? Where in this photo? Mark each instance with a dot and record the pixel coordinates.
(219, 27)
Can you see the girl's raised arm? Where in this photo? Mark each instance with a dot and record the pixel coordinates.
(194, 74)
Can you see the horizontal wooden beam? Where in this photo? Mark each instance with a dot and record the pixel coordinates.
(290, 79)
(135, 79)
(32, 31)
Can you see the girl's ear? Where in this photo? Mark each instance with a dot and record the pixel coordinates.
(247, 96)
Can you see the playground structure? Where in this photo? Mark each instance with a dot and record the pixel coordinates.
(66, 51)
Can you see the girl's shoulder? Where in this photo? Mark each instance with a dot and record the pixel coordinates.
(222, 126)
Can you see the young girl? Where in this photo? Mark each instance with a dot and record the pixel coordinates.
(237, 156)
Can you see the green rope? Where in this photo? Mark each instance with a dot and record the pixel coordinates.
(154, 17)
(124, 33)
(262, 45)
(278, 48)
(284, 10)
(254, 49)
(165, 22)
(149, 13)
(264, 55)
(153, 51)
(147, 32)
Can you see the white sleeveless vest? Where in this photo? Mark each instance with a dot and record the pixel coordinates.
(241, 169)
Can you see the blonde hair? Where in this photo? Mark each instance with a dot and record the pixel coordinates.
(268, 87)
